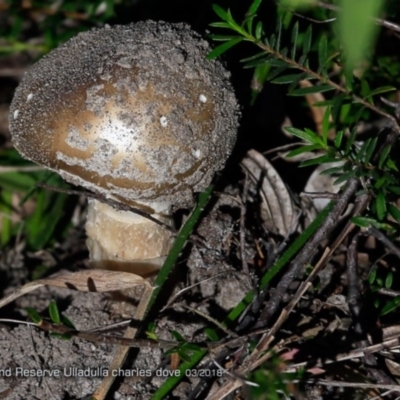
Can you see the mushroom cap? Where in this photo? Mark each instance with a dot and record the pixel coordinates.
(132, 112)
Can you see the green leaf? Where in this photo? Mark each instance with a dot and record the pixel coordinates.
(259, 30)
(384, 181)
(255, 57)
(365, 89)
(275, 72)
(302, 60)
(391, 165)
(295, 34)
(363, 222)
(177, 336)
(322, 52)
(61, 336)
(67, 322)
(380, 90)
(361, 151)
(311, 89)
(394, 189)
(221, 12)
(296, 81)
(33, 315)
(248, 21)
(337, 104)
(345, 177)
(307, 40)
(390, 306)
(307, 136)
(383, 156)
(279, 31)
(211, 334)
(333, 170)
(254, 7)
(223, 38)
(222, 48)
(272, 40)
(303, 149)
(370, 150)
(285, 79)
(372, 275)
(394, 212)
(271, 60)
(220, 25)
(318, 160)
(389, 280)
(325, 125)
(260, 62)
(350, 142)
(54, 313)
(338, 139)
(380, 205)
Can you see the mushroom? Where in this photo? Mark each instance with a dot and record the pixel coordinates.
(135, 114)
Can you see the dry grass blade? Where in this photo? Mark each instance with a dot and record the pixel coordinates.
(95, 280)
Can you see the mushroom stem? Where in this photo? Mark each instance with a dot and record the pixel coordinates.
(123, 240)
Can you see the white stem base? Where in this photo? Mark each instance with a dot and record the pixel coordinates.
(122, 240)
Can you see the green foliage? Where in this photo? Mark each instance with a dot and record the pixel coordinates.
(33, 315)
(49, 213)
(56, 318)
(185, 350)
(294, 53)
(269, 383)
(81, 14)
(54, 313)
(383, 279)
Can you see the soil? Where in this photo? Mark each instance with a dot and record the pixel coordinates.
(31, 358)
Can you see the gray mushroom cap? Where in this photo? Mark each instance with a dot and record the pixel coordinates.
(134, 112)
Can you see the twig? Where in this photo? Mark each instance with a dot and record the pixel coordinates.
(105, 339)
(308, 251)
(320, 195)
(353, 384)
(213, 321)
(388, 292)
(358, 353)
(382, 238)
(353, 289)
